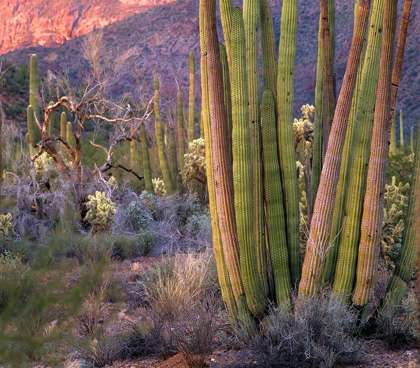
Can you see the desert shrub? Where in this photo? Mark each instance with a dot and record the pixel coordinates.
(397, 323)
(137, 217)
(100, 350)
(199, 225)
(320, 333)
(93, 250)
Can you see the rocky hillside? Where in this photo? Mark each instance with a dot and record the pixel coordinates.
(168, 30)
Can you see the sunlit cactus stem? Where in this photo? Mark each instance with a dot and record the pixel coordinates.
(69, 134)
(191, 99)
(285, 98)
(181, 131)
(412, 140)
(273, 193)
(147, 172)
(401, 132)
(174, 163)
(32, 130)
(393, 138)
(35, 135)
(161, 142)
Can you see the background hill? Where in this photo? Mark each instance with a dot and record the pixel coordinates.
(164, 32)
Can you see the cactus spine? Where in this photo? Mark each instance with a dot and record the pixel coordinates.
(372, 220)
(401, 132)
(251, 17)
(160, 141)
(147, 172)
(191, 101)
(324, 202)
(285, 95)
(276, 224)
(359, 158)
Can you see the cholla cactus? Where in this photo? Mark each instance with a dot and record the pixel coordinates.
(159, 187)
(100, 212)
(195, 162)
(6, 225)
(393, 224)
(44, 163)
(303, 130)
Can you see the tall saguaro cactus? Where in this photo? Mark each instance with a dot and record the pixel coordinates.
(285, 96)
(191, 99)
(371, 226)
(34, 133)
(161, 142)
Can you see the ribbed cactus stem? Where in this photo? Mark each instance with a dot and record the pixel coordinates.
(359, 158)
(268, 48)
(163, 162)
(63, 130)
(393, 138)
(181, 131)
(69, 134)
(31, 126)
(147, 172)
(317, 245)
(201, 125)
(401, 132)
(226, 10)
(334, 238)
(372, 220)
(226, 90)
(222, 160)
(191, 99)
(174, 162)
(242, 169)
(35, 135)
(273, 194)
(222, 271)
(251, 18)
(285, 97)
(412, 140)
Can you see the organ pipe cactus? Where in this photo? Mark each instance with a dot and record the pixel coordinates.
(358, 158)
(174, 163)
(34, 133)
(242, 171)
(371, 226)
(285, 96)
(273, 194)
(226, 90)
(147, 172)
(251, 18)
(181, 131)
(324, 203)
(401, 132)
(160, 141)
(393, 138)
(191, 99)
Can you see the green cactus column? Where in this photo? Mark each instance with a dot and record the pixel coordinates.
(401, 132)
(393, 138)
(372, 220)
(147, 172)
(1, 152)
(412, 140)
(161, 142)
(69, 134)
(227, 94)
(251, 17)
(273, 193)
(406, 262)
(174, 163)
(359, 157)
(181, 131)
(285, 96)
(268, 48)
(222, 160)
(63, 130)
(191, 99)
(32, 130)
(242, 170)
(226, 10)
(34, 133)
(317, 245)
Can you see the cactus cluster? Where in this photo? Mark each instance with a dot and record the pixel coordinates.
(195, 161)
(159, 187)
(100, 212)
(6, 226)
